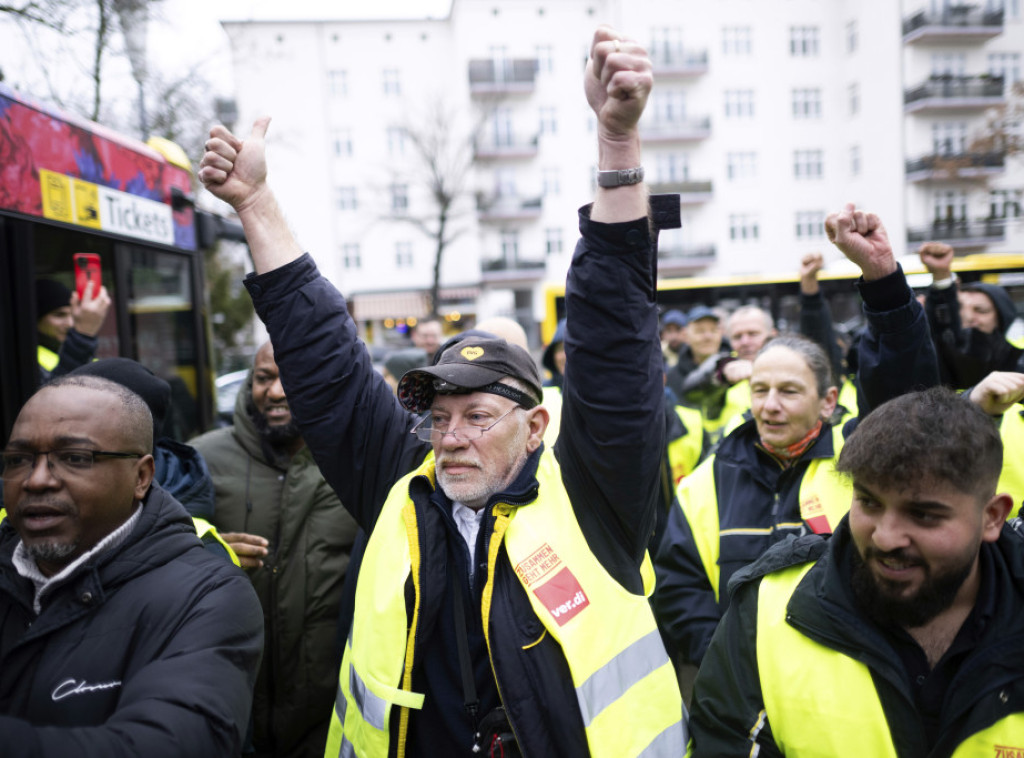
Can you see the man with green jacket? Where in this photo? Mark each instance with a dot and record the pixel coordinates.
(293, 537)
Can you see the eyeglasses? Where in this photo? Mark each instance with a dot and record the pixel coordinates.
(429, 433)
(65, 461)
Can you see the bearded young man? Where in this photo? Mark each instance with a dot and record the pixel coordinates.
(903, 634)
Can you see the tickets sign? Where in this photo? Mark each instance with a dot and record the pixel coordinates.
(75, 201)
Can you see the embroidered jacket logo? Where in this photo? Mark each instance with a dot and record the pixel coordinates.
(1005, 751)
(70, 687)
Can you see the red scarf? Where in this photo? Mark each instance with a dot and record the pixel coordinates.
(786, 455)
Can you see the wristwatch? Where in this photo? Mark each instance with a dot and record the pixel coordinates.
(621, 177)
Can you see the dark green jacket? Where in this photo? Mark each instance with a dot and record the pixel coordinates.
(299, 585)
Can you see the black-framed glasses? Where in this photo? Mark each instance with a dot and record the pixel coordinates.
(427, 432)
(67, 460)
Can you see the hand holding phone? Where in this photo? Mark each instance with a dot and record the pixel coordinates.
(87, 270)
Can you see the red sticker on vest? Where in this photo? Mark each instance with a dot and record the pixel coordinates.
(563, 596)
(1004, 751)
(538, 565)
(813, 512)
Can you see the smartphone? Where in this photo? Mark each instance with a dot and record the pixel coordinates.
(87, 269)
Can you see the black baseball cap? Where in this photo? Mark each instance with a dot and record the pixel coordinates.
(473, 364)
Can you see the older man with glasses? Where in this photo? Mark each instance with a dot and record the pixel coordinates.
(119, 633)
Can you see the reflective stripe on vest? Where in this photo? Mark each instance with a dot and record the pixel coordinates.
(820, 702)
(47, 358)
(684, 452)
(620, 670)
(1011, 479)
(207, 530)
(824, 496)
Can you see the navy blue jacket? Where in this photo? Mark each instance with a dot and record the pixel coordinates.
(609, 448)
(150, 649)
(896, 356)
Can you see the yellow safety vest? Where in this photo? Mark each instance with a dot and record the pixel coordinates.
(206, 530)
(737, 402)
(1011, 479)
(824, 494)
(684, 452)
(553, 402)
(625, 684)
(820, 702)
(848, 399)
(47, 358)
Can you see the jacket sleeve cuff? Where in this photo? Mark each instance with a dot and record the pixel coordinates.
(287, 278)
(624, 237)
(888, 293)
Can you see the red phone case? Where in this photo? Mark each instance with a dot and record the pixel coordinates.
(87, 269)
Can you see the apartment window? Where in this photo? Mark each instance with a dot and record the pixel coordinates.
(548, 120)
(553, 240)
(803, 41)
(1006, 65)
(853, 98)
(949, 206)
(743, 227)
(669, 106)
(1012, 9)
(509, 245)
(505, 182)
(949, 64)
(550, 183)
(736, 40)
(341, 142)
(396, 140)
(807, 102)
(502, 126)
(949, 137)
(545, 58)
(392, 84)
(855, 160)
(1005, 203)
(672, 167)
(350, 257)
(807, 164)
(739, 103)
(337, 83)
(403, 255)
(852, 37)
(399, 197)
(741, 166)
(345, 199)
(666, 44)
(810, 225)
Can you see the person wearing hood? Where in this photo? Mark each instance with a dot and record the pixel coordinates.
(294, 538)
(968, 322)
(67, 326)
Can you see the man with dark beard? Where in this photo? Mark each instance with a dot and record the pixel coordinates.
(294, 538)
(903, 634)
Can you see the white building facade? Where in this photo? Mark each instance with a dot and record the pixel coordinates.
(765, 117)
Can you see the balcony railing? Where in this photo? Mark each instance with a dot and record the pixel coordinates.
(676, 61)
(505, 207)
(962, 23)
(961, 234)
(489, 76)
(685, 259)
(509, 147)
(683, 130)
(689, 192)
(953, 166)
(955, 92)
(521, 265)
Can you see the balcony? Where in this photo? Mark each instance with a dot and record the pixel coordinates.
(685, 260)
(505, 147)
(502, 77)
(961, 235)
(955, 166)
(952, 93)
(675, 61)
(498, 208)
(690, 193)
(512, 270)
(961, 23)
(683, 130)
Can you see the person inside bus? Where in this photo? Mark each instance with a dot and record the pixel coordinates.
(67, 326)
(969, 322)
(773, 475)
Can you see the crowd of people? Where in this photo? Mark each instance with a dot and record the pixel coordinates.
(696, 536)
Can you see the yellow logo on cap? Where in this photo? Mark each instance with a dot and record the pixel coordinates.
(471, 353)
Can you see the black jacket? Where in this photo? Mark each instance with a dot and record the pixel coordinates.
(988, 686)
(168, 636)
(609, 448)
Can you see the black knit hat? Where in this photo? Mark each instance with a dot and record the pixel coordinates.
(139, 379)
(51, 295)
(474, 364)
